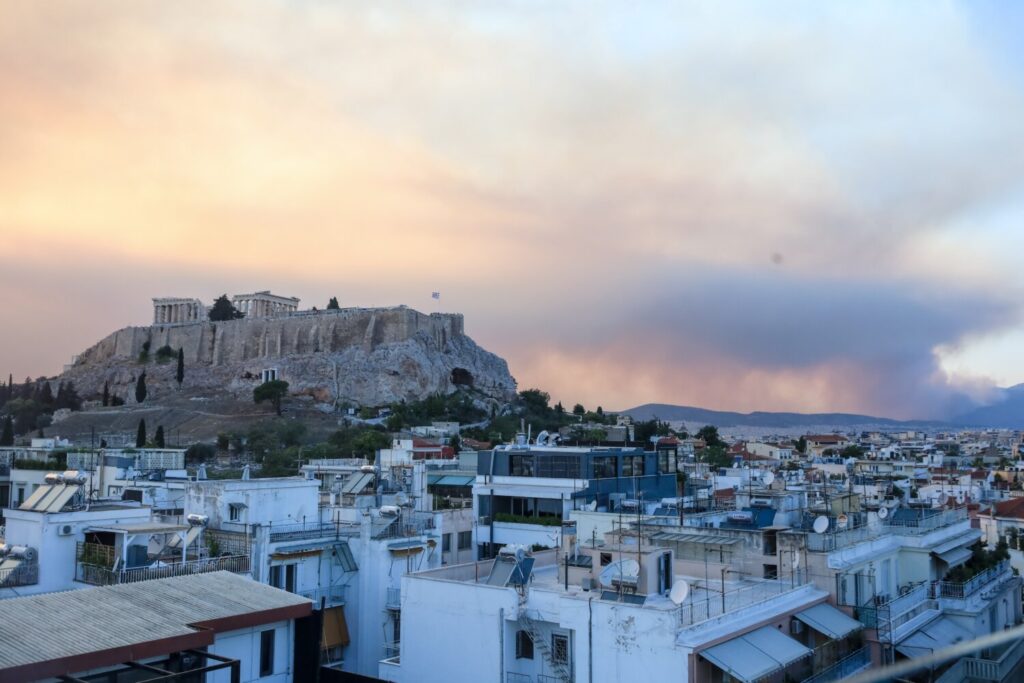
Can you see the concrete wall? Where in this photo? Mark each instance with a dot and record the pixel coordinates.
(244, 645)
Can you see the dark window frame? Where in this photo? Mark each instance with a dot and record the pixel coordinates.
(267, 652)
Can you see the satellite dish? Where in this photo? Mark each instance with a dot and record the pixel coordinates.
(592, 505)
(842, 521)
(617, 573)
(680, 591)
(821, 524)
(767, 478)
(542, 438)
(883, 512)
(943, 498)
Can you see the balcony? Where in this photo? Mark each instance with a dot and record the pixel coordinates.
(956, 590)
(844, 668)
(329, 596)
(995, 666)
(95, 565)
(312, 530)
(24, 574)
(700, 609)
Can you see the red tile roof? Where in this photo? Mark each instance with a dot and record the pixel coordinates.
(1010, 508)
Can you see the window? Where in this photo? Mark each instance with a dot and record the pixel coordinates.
(632, 465)
(235, 512)
(524, 645)
(267, 653)
(465, 540)
(113, 490)
(606, 559)
(604, 467)
(666, 462)
(560, 648)
(446, 543)
(289, 577)
(522, 465)
(275, 576)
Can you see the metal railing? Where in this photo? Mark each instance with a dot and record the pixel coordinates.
(513, 677)
(330, 596)
(847, 666)
(392, 650)
(923, 525)
(697, 611)
(996, 668)
(104, 576)
(25, 574)
(303, 531)
(407, 525)
(394, 598)
(958, 590)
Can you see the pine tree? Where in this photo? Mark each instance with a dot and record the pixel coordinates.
(46, 394)
(106, 394)
(179, 374)
(7, 438)
(140, 388)
(223, 309)
(333, 304)
(140, 436)
(158, 438)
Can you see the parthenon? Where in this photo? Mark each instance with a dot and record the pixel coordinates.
(172, 310)
(263, 304)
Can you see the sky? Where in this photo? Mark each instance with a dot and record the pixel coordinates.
(797, 206)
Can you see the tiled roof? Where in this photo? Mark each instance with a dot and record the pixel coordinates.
(1010, 508)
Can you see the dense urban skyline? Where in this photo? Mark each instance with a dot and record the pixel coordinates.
(755, 209)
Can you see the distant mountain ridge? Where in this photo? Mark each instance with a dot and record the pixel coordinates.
(1006, 413)
(762, 419)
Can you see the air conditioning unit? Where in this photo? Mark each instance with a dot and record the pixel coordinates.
(65, 530)
(796, 627)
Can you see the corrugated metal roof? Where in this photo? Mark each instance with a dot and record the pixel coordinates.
(42, 628)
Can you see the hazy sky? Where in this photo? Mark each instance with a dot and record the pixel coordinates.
(801, 206)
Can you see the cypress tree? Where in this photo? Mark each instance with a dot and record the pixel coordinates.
(7, 438)
(158, 438)
(140, 436)
(180, 372)
(140, 389)
(106, 394)
(46, 394)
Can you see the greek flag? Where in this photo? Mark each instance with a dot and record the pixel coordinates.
(435, 295)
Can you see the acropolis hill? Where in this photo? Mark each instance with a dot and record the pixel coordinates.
(347, 356)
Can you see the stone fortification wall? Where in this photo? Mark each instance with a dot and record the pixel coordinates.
(359, 356)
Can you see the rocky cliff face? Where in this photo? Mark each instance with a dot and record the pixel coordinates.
(354, 356)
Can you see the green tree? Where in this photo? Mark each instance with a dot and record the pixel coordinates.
(535, 400)
(852, 451)
(274, 391)
(140, 388)
(455, 442)
(144, 353)
(46, 394)
(140, 435)
(223, 309)
(801, 445)
(578, 409)
(709, 434)
(369, 442)
(7, 438)
(106, 394)
(179, 373)
(559, 409)
(332, 305)
(158, 438)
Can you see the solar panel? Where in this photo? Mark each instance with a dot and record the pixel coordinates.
(57, 503)
(37, 495)
(357, 482)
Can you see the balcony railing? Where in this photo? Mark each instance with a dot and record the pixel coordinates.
(845, 667)
(925, 524)
(25, 574)
(695, 612)
(103, 576)
(957, 590)
(392, 650)
(394, 598)
(331, 596)
(407, 525)
(997, 666)
(304, 531)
